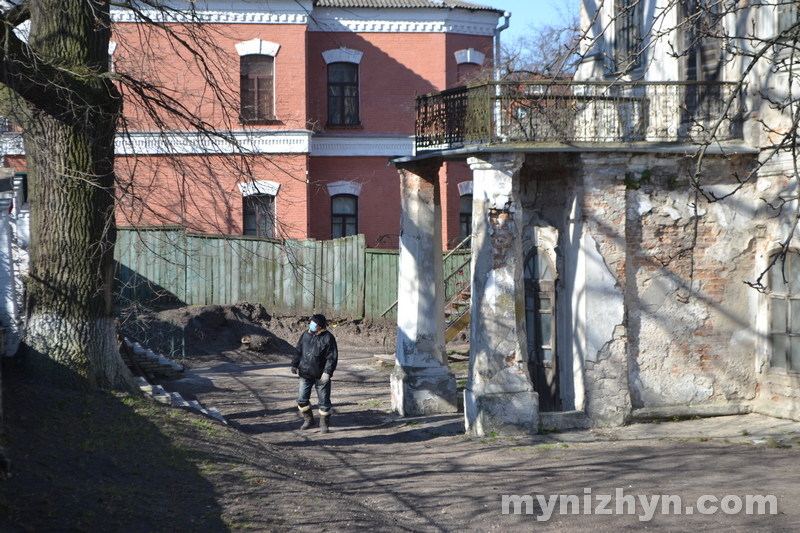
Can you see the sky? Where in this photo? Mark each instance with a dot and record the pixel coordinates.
(525, 13)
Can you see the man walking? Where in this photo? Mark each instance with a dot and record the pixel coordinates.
(314, 363)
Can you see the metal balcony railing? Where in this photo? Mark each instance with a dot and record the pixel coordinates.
(571, 112)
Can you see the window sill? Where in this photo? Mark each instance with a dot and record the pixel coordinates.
(261, 122)
(343, 127)
(780, 371)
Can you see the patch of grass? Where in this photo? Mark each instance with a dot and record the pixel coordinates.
(412, 424)
(564, 445)
(459, 366)
(518, 449)
(744, 432)
(546, 431)
(544, 447)
(371, 403)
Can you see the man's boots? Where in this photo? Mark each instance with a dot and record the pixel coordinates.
(324, 421)
(308, 417)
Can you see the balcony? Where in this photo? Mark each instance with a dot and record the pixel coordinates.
(574, 113)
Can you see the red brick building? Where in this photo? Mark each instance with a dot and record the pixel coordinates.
(318, 95)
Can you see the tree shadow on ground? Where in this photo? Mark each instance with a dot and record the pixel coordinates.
(96, 462)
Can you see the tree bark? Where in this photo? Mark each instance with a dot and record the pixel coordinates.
(71, 114)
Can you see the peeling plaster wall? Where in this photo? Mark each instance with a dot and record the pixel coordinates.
(688, 308)
(653, 311)
(601, 286)
(585, 205)
(778, 392)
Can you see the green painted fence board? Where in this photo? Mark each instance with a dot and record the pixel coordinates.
(340, 278)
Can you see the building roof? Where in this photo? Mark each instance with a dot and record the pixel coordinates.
(442, 4)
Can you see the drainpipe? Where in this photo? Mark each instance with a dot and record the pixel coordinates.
(507, 16)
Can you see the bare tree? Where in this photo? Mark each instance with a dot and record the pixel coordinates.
(68, 102)
(546, 50)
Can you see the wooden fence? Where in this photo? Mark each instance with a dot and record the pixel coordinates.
(339, 278)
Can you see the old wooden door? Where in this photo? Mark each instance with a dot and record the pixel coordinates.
(540, 303)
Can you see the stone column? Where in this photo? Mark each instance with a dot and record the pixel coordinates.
(422, 382)
(499, 396)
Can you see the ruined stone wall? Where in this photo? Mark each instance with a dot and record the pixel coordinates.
(681, 261)
(688, 311)
(655, 312)
(778, 391)
(601, 200)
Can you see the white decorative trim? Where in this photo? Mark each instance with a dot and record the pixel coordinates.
(344, 187)
(342, 55)
(362, 145)
(465, 188)
(258, 142)
(369, 20)
(112, 47)
(11, 144)
(397, 26)
(184, 143)
(212, 17)
(470, 55)
(257, 47)
(251, 188)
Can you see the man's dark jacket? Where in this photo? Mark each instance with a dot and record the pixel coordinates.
(316, 354)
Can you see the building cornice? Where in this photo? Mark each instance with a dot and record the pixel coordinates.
(362, 145)
(255, 142)
(185, 143)
(272, 12)
(401, 21)
(357, 20)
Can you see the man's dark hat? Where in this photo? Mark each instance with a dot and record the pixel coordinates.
(320, 320)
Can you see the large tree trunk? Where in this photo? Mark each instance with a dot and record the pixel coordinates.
(69, 142)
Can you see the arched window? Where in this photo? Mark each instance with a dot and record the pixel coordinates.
(259, 215)
(343, 94)
(469, 63)
(465, 215)
(784, 299)
(257, 74)
(344, 215)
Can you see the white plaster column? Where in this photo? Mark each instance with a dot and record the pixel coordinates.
(422, 382)
(499, 396)
(8, 293)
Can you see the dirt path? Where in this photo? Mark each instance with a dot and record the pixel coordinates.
(424, 474)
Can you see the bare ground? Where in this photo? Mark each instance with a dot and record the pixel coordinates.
(111, 462)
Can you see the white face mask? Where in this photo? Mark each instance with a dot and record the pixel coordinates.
(312, 327)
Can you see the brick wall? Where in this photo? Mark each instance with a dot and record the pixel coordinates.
(145, 52)
(378, 205)
(201, 193)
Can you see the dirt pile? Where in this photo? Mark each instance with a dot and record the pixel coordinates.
(194, 331)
